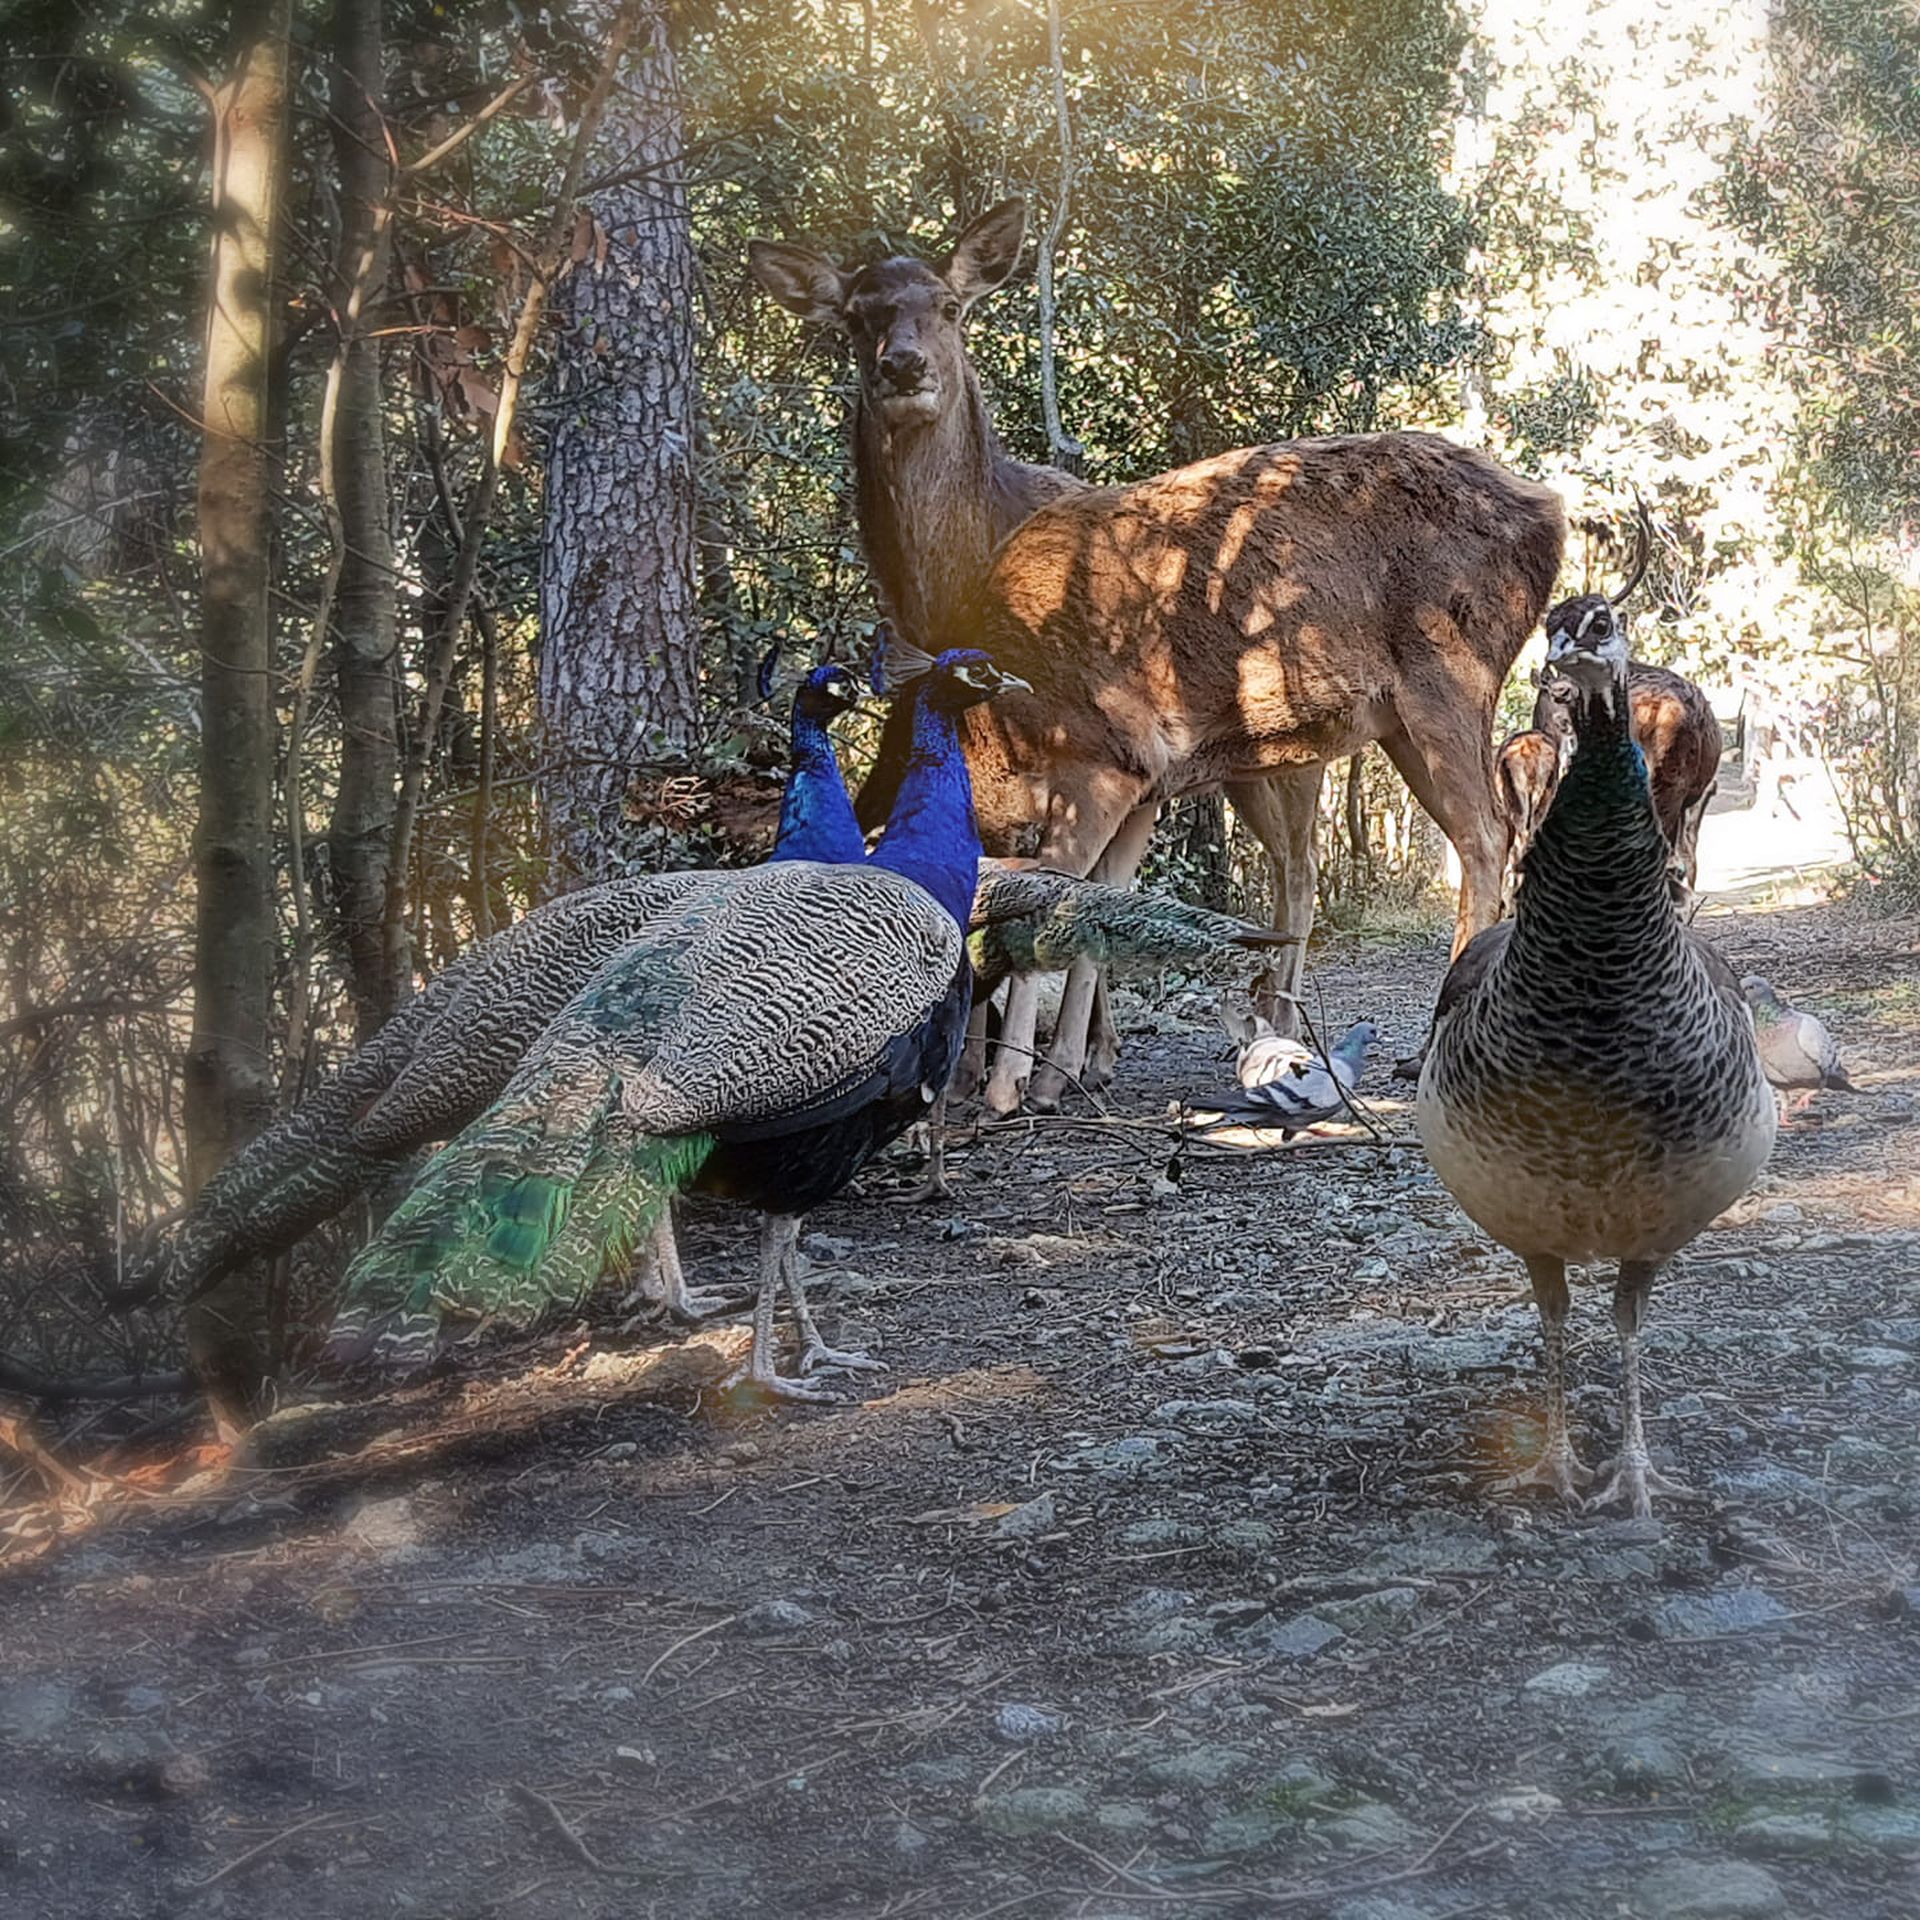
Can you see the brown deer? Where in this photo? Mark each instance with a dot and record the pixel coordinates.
(1236, 623)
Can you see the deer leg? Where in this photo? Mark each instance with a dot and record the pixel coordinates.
(1081, 821)
(1446, 759)
(1067, 1056)
(1281, 812)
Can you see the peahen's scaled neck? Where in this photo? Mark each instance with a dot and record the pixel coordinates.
(816, 816)
(931, 836)
(1599, 861)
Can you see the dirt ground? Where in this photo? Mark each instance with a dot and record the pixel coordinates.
(1160, 1575)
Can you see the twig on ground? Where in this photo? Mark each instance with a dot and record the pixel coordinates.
(570, 1834)
(332, 1821)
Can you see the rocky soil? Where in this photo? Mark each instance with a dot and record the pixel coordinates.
(1162, 1574)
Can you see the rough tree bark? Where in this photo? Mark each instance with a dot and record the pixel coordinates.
(229, 1090)
(361, 829)
(619, 661)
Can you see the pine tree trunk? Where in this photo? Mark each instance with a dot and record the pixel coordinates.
(619, 662)
(361, 830)
(229, 1088)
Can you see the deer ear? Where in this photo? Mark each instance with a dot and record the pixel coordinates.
(988, 251)
(808, 284)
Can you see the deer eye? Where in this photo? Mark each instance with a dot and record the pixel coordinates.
(1602, 625)
(950, 309)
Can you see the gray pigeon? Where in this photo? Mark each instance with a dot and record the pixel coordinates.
(1800, 1056)
(1304, 1089)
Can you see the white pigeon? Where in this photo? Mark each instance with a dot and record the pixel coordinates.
(1283, 1083)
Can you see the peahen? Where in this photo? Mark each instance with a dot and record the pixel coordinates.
(760, 1043)
(1798, 1053)
(1592, 1089)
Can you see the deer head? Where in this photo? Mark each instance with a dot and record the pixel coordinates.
(902, 316)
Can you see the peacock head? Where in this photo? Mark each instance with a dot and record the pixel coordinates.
(827, 692)
(949, 682)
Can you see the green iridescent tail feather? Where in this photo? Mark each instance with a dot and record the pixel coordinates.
(514, 1219)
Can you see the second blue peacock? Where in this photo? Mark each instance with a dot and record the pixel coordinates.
(759, 1041)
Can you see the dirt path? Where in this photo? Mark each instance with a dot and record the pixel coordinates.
(1160, 1576)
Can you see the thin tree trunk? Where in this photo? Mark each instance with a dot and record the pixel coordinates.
(360, 833)
(229, 1089)
(619, 660)
(1063, 450)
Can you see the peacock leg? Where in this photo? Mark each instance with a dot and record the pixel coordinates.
(934, 1186)
(666, 1280)
(814, 1351)
(1558, 1466)
(971, 1073)
(1634, 1479)
(779, 1233)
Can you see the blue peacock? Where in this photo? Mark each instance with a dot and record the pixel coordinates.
(760, 1040)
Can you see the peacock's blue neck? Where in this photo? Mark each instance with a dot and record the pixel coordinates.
(931, 836)
(816, 817)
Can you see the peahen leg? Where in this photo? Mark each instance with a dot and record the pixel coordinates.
(779, 1233)
(1558, 1466)
(814, 1351)
(1634, 1479)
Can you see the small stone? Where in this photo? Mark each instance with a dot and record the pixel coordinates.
(1021, 1726)
(143, 1700)
(1246, 1830)
(1132, 1457)
(1368, 1615)
(1570, 1680)
(1207, 1416)
(908, 1840)
(1886, 1830)
(35, 1709)
(1198, 1766)
(1709, 1890)
(826, 1246)
(1122, 1816)
(1879, 1359)
(1785, 1835)
(252, 1657)
(1033, 1810)
(1028, 1520)
(1522, 1806)
(1156, 1603)
(1643, 1766)
(1297, 1639)
(1370, 1826)
(1737, 1610)
(768, 1617)
(383, 1526)
(738, 1453)
(614, 1696)
(619, 1450)
(1162, 1533)
(1755, 1764)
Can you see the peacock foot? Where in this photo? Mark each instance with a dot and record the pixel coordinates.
(1558, 1467)
(1634, 1481)
(691, 1307)
(780, 1386)
(933, 1187)
(817, 1357)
